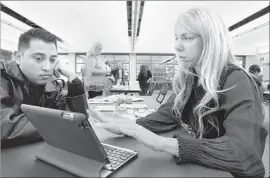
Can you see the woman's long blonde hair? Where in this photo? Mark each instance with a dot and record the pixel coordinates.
(216, 54)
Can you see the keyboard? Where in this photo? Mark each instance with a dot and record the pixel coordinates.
(117, 156)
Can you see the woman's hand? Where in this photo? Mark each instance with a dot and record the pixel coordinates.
(98, 116)
(129, 127)
(120, 125)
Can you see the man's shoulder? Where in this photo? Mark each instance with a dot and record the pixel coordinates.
(2, 66)
(4, 74)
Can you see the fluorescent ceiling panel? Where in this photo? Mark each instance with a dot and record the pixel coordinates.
(80, 23)
(159, 17)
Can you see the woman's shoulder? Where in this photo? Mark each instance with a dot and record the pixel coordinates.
(232, 72)
(239, 81)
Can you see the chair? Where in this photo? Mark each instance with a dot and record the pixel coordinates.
(163, 91)
(151, 89)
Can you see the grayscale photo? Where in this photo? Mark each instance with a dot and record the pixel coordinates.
(134, 88)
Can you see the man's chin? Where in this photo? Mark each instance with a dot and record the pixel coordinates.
(42, 82)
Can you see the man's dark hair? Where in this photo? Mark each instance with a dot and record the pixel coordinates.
(36, 33)
(254, 68)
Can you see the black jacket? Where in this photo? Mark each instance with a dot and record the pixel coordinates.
(17, 90)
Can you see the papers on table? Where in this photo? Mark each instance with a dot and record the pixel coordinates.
(100, 101)
(135, 99)
(105, 108)
(133, 106)
(113, 98)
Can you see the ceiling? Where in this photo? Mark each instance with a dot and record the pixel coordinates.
(81, 23)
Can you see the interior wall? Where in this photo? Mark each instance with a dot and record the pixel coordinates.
(5, 55)
(132, 67)
(265, 70)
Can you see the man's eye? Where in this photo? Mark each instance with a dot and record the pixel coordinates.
(38, 58)
(53, 60)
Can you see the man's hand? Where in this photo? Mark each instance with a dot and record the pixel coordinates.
(63, 68)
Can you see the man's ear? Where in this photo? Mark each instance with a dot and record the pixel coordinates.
(17, 57)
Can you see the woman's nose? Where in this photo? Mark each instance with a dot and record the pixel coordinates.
(179, 47)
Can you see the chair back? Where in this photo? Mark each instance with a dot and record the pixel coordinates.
(163, 91)
(152, 87)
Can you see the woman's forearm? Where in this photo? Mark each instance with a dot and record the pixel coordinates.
(169, 145)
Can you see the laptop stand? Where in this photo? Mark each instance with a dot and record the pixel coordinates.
(70, 162)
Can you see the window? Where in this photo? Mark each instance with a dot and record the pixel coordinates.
(79, 62)
(64, 57)
(240, 61)
(114, 59)
(161, 73)
(124, 60)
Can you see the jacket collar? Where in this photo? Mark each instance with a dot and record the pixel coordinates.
(13, 70)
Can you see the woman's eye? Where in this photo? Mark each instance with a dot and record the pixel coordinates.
(188, 38)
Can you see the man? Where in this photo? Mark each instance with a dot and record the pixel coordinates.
(118, 74)
(30, 79)
(255, 71)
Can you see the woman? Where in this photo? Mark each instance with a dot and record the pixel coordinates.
(95, 72)
(214, 101)
(143, 78)
(149, 76)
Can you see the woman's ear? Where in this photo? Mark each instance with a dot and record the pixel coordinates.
(17, 57)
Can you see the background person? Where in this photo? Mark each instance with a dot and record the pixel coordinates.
(95, 72)
(143, 78)
(255, 72)
(118, 74)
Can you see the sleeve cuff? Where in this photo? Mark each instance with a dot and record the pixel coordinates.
(75, 88)
(190, 150)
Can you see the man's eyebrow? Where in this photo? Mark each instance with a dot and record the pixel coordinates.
(42, 54)
(38, 53)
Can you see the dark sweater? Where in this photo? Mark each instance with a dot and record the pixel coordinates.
(240, 144)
